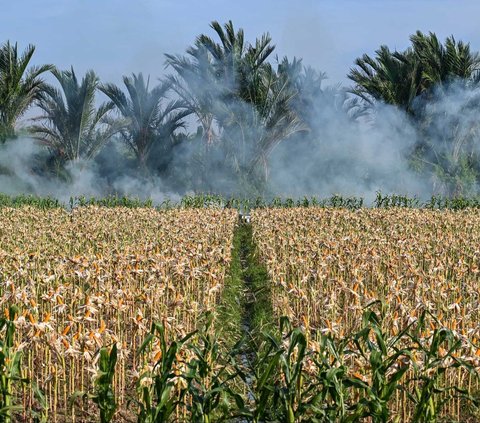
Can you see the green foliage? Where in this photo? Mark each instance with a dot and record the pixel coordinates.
(231, 307)
(398, 78)
(258, 308)
(245, 204)
(390, 77)
(331, 391)
(29, 200)
(246, 102)
(10, 366)
(145, 120)
(416, 80)
(289, 381)
(393, 200)
(200, 201)
(209, 376)
(102, 394)
(279, 388)
(73, 127)
(231, 85)
(20, 86)
(454, 203)
(158, 397)
(111, 201)
(441, 352)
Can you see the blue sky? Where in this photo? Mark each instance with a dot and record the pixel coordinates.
(117, 37)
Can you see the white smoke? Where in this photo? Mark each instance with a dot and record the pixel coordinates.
(340, 155)
(19, 159)
(363, 156)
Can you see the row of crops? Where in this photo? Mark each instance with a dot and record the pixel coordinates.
(418, 269)
(307, 314)
(100, 277)
(247, 203)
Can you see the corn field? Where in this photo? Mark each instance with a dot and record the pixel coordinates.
(327, 265)
(97, 277)
(143, 315)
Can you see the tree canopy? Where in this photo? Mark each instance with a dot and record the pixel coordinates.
(20, 86)
(245, 102)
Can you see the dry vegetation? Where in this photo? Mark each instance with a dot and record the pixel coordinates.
(99, 276)
(327, 265)
(89, 284)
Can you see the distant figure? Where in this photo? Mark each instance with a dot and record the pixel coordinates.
(245, 218)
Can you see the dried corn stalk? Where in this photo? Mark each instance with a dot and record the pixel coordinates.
(100, 276)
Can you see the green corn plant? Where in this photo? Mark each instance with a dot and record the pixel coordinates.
(103, 396)
(382, 201)
(304, 202)
(110, 201)
(329, 400)
(40, 414)
(336, 201)
(203, 200)
(440, 353)
(265, 370)
(339, 201)
(388, 363)
(291, 367)
(10, 366)
(280, 392)
(276, 202)
(433, 203)
(209, 377)
(29, 200)
(165, 205)
(258, 202)
(158, 402)
(333, 386)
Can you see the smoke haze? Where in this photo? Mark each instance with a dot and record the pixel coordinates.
(340, 154)
(100, 178)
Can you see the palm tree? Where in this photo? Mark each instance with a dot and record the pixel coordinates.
(195, 81)
(213, 73)
(419, 81)
(235, 62)
(449, 137)
(391, 77)
(252, 129)
(19, 86)
(146, 120)
(442, 64)
(241, 102)
(306, 81)
(72, 127)
(398, 78)
(227, 57)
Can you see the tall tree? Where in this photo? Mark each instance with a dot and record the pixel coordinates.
(448, 130)
(391, 77)
(242, 103)
(20, 86)
(254, 124)
(442, 64)
(420, 80)
(72, 128)
(149, 117)
(398, 78)
(196, 83)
